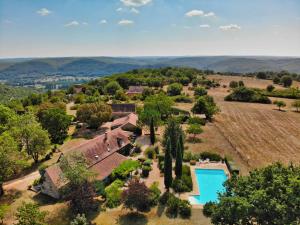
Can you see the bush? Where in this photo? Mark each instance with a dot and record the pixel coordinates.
(165, 197)
(210, 156)
(196, 120)
(187, 156)
(147, 162)
(174, 89)
(113, 194)
(99, 187)
(124, 169)
(150, 153)
(183, 98)
(200, 91)
(156, 148)
(146, 170)
(208, 209)
(243, 94)
(172, 206)
(186, 170)
(184, 209)
(154, 194)
(138, 131)
(193, 162)
(161, 158)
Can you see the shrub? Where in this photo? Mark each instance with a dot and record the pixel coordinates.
(183, 98)
(174, 89)
(160, 158)
(165, 197)
(138, 131)
(146, 170)
(99, 187)
(172, 206)
(187, 156)
(196, 120)
(200, 91)
(208, 209)
(243, 94)
(124, 169)
(210, 156)
(186, 170)
(270, 88)
(184, 209)
(154, 194)
(193, 162)
(113, 194)
(150, 153)
(179, 186)
(156, 148)
(147, 162)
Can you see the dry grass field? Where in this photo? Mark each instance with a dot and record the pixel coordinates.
(254, 135)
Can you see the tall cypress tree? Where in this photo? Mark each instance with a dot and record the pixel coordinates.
(181, 140)
(152, 132)
(168, 166)
(178, 164)
(172, 133)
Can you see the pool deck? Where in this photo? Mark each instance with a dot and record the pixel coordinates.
(203, 165)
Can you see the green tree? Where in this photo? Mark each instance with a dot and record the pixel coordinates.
(57, 123)
(172, 133)
(79, 190)
(276, 80)
(112, 87)
(6, 115)
(160, 103)
(266, 196)
(270, 88)
(178, 163)
(120, 95)
(261, 75)
(233, 84)
(200, 91)
(152, 132)
(9, 158)
(31, 136)
(94, 114)
(280, 104)
(29, 214)
(174, 89)
(286, 81)
(194, 129)
(136, 196)
(205, 105)
(168, 166)
(296, 104)
(79, 220)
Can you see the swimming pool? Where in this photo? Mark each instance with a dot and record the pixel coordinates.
(210, 183)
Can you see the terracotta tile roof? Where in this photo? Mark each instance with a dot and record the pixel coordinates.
(135, 90)
(100, 153)
(55, 174)
(107, 165)
(100, 147)
(123, 108)
(132, 118)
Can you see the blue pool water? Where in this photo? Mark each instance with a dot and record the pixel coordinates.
(210, 183)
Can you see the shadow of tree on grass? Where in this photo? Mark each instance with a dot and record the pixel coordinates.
(132, 218)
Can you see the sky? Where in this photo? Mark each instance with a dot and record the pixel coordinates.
(56, 28)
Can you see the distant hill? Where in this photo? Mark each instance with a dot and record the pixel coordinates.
(15, 69)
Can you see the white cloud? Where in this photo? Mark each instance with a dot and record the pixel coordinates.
(84, 23)
(73, 23)
(205, 26)
(134, 10)
(135, 3)
(103, 22)
(230, 27)
(43, 12)
(209, 14)
(194, 12)
(119, 9)
(125, 22)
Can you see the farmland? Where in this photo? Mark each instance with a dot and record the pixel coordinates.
(254, 135)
